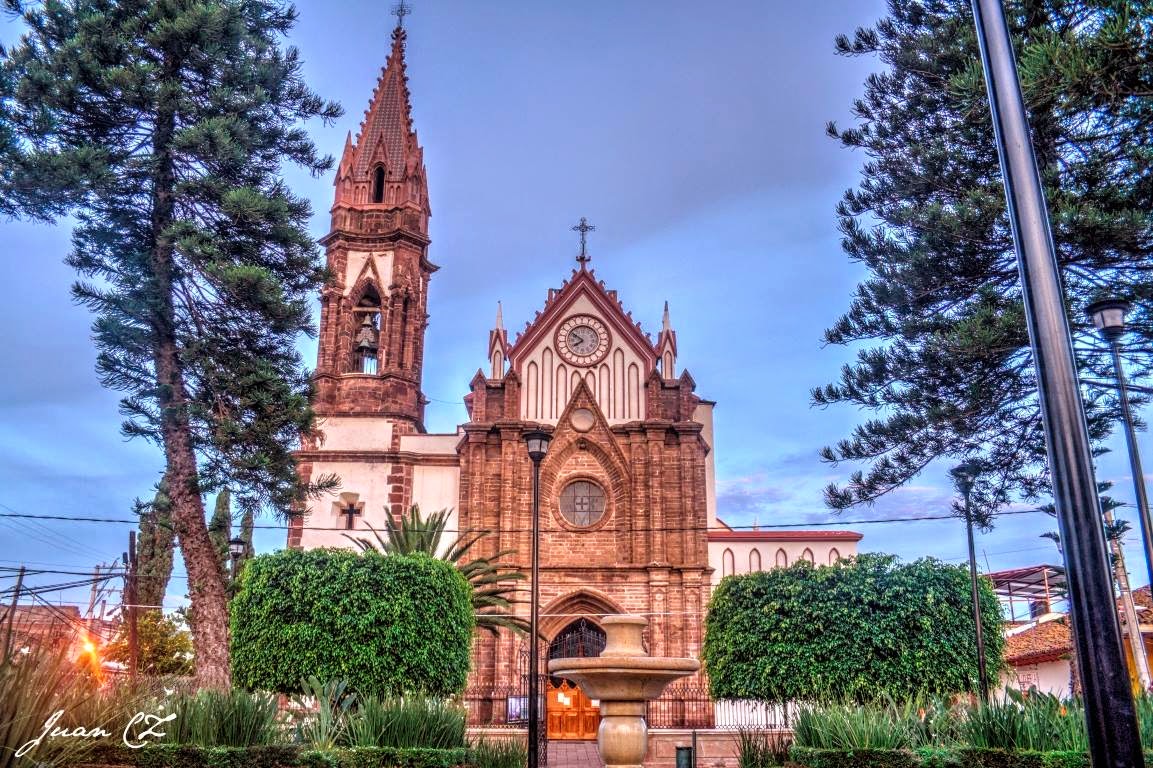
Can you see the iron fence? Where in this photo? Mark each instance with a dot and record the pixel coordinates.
(682, 706)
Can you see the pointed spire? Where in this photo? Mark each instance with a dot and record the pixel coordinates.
(388, 120)
(499, 317)
(665, 324)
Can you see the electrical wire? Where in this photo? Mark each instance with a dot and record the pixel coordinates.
(664, 529)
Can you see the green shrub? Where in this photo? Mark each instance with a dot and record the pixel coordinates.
(234, 718)
(412, 721)
(183, 756)
(855, 758)
(1001, 758)
(506, 753)
(388, 625)
(862, 629)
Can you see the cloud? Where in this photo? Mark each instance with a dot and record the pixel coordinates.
(744, 497)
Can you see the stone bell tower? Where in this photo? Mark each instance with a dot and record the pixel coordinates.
(374, 313)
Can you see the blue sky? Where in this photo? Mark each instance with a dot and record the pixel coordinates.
(691, 136)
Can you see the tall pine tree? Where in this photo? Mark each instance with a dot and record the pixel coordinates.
(944, 360)
(162, 126)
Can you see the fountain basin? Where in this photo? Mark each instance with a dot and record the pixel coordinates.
(623, 678)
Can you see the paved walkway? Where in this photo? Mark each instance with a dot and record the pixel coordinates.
(573, 754)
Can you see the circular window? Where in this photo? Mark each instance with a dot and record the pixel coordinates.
(582, 502)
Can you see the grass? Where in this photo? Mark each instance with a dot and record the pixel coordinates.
(327, 708)
(852, 727)
(1038, 722)
(510, 753)
(230, 719)
(411, 721)
(757, 749)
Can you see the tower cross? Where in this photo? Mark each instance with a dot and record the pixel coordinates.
(584, 228)
(400, 10)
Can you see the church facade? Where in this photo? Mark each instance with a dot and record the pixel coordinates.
(628, 508)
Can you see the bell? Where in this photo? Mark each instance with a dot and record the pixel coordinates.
(366, 337)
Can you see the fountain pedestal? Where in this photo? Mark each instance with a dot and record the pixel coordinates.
(624, 678)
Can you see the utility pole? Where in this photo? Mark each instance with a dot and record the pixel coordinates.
(12, 612)
(92, 596)
(1136, 642)
(130, 605)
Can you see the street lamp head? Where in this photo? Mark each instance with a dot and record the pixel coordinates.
(537, 441)
(1109, 317)
(236, 547)
(965, 474)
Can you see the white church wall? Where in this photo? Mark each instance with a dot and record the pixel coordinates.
(435, 488)
(369, 481)
(746, 556)
(443, 445)
(704, 415)
(547, 381)
(352, 433)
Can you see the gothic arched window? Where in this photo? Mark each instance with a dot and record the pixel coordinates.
(367, 333)
(754, 560)
(808, 555)
(378, 184)
(728, 563)
(834, 555)
(782, 559)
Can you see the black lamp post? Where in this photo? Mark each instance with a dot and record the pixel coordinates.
(965, 475)
(1110, 712)
(236, 548)
(537, 442)
(1109, 317)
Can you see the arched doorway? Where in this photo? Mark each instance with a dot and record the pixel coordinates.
(570, 714)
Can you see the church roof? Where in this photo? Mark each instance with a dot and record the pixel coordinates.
(583, 281)
(768, 536)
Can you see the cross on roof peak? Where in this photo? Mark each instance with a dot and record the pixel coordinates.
(584, 228)
(400, 10)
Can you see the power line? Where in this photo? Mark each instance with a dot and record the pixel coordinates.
(664, 529)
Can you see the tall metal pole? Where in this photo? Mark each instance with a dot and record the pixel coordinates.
(1134, 458)
(1109, 708)
(982, 670)
(534, 610)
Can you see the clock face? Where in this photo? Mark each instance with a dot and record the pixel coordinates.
(582, 340)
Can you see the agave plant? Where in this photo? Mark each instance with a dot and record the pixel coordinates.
(492, 593)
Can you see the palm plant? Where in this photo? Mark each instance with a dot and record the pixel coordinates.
(493, 594)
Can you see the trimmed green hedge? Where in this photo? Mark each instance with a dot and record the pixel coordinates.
(870, 628)
(184, 756)
(388, 625)
(962, 757)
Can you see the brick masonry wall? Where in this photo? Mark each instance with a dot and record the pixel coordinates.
(646, 555)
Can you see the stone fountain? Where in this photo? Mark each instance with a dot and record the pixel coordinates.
(623, 678)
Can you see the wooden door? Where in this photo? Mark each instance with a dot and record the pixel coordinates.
(571, 714)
